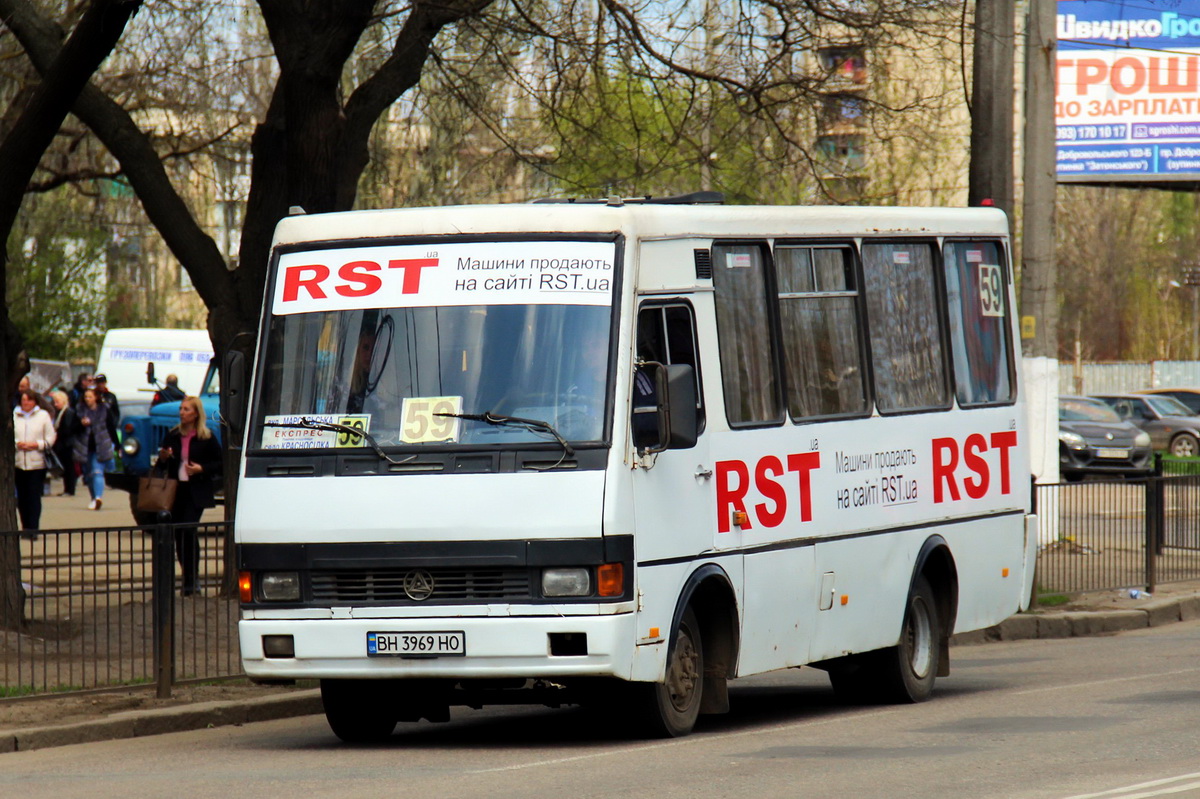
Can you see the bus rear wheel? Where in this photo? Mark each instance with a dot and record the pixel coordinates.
(669, 709)
(900, 674)
(356, 712)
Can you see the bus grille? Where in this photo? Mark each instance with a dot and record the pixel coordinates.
(449, 585)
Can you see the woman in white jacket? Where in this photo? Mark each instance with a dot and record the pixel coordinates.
(34, 431)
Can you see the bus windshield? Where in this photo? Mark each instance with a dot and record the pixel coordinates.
(406, 374)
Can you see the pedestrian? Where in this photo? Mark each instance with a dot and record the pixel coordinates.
(191, 454)
(95, 433)
(108, 399)
(34, 433)
(41, 401)
(171, 392)
(64, 445)
(82, 383)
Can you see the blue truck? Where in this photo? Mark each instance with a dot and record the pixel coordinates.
(142, 433)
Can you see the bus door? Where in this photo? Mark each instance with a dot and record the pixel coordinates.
(673, 491)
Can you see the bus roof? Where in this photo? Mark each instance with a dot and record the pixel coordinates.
(645, 221)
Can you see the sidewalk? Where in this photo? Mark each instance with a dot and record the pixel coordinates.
(1098, 613)
(69, 513)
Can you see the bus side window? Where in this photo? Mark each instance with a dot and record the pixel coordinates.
(667, 334)
(977, 305)
(905, 332)
(818, 311)
(749, 367)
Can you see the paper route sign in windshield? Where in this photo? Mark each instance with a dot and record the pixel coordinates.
(477, 273)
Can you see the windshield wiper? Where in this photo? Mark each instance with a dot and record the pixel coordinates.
(532, 425)
(312, 424)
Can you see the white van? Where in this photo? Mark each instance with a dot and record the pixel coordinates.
(126, 352)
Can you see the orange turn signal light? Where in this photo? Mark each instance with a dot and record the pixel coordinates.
(610, 579)
(244, 587)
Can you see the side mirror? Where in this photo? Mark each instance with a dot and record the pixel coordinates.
(233, 385)
(150, 373)
(664, 407)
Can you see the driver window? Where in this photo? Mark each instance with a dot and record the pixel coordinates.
(667, 334)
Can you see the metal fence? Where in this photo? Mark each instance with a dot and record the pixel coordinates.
(1115, 534)
(95, 611)
(1119, 377)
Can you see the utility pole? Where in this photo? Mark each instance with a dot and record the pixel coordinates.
(1039, 269)
(991, 170)
(1191, 279)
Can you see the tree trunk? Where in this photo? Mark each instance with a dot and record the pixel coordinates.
(93, 39)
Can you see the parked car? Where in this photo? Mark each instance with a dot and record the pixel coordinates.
(1092, 439)
(1188, 396)
(1171, 425)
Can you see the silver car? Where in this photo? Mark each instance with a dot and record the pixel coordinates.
(1170, 423)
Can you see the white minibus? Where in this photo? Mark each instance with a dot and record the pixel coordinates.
(621, 453)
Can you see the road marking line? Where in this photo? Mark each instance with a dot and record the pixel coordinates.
(1124, 793)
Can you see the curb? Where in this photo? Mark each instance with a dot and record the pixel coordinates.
(137, 723)
(1075, 624)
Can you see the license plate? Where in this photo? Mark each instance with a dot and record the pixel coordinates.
(1112, 453)
(417, 645)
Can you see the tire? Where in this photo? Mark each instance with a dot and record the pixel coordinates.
(356, 712)
(900, 674)
(669, 709)
(1185, 445)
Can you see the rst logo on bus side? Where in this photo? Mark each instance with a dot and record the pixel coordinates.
(969, 468)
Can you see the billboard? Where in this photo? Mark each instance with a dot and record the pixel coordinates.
(1128, 90)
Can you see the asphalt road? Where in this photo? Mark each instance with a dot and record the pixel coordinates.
(1117, 716)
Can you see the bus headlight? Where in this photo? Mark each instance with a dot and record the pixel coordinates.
(566, 582)
(1142, 439)
(279, 586)
(130, 446)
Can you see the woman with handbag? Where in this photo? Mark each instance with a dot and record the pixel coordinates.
(192, 455)
(33, 430)
(94, 437)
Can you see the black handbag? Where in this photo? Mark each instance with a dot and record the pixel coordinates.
(52, 462)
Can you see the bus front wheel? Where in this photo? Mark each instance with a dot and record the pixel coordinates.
(355, 711)
(669, 709)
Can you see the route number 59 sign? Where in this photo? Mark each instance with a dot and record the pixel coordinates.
(420, 424)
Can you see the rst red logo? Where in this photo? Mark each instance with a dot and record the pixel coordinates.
(972, 465)
(771, 484)
(354, 279)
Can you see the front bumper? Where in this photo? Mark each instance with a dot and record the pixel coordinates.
(1087, 461)
(495, 647)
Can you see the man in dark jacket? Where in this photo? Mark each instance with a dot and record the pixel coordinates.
(168, 393)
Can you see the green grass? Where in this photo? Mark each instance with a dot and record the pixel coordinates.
(1052, 600)
(16, 691)
(1180, 466)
